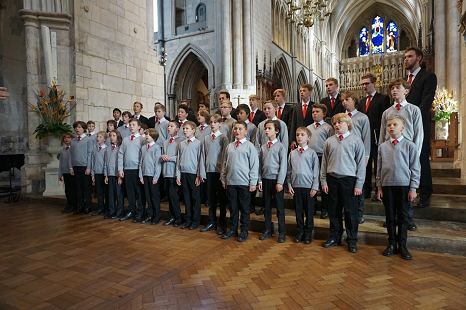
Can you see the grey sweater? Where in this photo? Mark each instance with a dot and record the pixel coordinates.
(227, 128)
(81, 152)
(65, 163)
(162, 130)
(413, 128)
(124, 131)
(241, 165)
(272, 162)
(303, 169)
(361, 128)
(200, 134)
(150, 162)
(344, 159)
(171, 150)
(188, 157)
(111, 161)
(128, 154)
(398, 165)
(212, 153)
(261, 138)
(319, 136)
(97, 163)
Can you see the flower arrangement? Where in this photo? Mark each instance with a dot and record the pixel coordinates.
(443, 104)
(53, 110)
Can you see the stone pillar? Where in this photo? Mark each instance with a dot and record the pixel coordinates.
(453, 66)
(247, 61)
(226, 45)
(237, 44)
(440, 42)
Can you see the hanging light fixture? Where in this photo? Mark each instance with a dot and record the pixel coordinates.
(307, 12)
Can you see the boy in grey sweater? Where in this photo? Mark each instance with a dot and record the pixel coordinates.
(270, 109)
(342, 176)
(239, 177)
(398, 175)
(272, 174)
(187, 175)
(64, 174)
(97, 173)
(114, 182)
(124, 130)
(303, 183)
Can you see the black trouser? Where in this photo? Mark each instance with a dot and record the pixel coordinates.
(269, 191)
(323, 196)
(173, 200)
(216, 195)
(395, 201)
(341, 196)
(368, 181)
(203, 192)
(153, 197)
(133, 190)
(425, 185)
(240, 200)
(304, 203)
(101, 190)
(192, 199)
(70, 190)
(361, 203)
(115, 194)
(83, 187)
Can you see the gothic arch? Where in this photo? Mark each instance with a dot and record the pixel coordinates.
(282, 72)
(302, 78)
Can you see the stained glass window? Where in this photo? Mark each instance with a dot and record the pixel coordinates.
(364, 42)
(377, 35)
(392, 37)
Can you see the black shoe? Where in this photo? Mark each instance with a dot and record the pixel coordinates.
(404, 252)
(412, 226)
(113, 216)
(169, 222)
(242, 236)
(85, 211)
(361, 220)
(298, 238)
(423, 203)
(106, 215)
(164, 199)
(389, 251)
(194, 226)
(156, 221)
(98, 212)
(67, 209)
(146, 220)
(137, 219)
(281, 238)
(265, 235)
(260, 211)
(128, 216)
(229, 234)
(177, 224)
(209, 228)
(76, 211)
(331, 242)
(324, 215)
(186, 226)
(352, 248)
(307, 238)
(220, 231)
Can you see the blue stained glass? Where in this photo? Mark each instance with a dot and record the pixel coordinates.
(392, 37)
(377, 35)
(363, 42)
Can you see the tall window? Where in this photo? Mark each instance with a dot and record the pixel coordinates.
(200, 13)
(377, 35)
(392, 37)
(364, 42)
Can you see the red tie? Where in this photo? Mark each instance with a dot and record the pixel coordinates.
(90, 135)
(202, 127)
(237, 143)
(189, 141)
(269, 144)
(304, 110)
(341, 137)
(398, 106)
(148, 146)
(113, 147)
(349, 114)
(279, 113)
(132, 137)
(368, 102)
(67, 148)
(171, 140)
(395, 142)
(181, 124)
(224, 119)
(79, 139)
(126, 126)
(213, 136)
(301, 150)
(317, 125)
(100, 148)
(410, 79)
(251, 117)
(157, 120)
(333, 102)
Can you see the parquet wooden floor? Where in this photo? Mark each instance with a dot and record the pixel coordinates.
(54, 261)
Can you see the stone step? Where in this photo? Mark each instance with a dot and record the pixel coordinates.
(446, 173)
(449, 186)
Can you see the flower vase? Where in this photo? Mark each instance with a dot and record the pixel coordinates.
(53, 148)
(441, 129)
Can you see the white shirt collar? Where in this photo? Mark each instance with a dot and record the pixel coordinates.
(399, 139)
(320, 123)
(330, 96)
(402, 103)
(136, 135)
(184, 121)
(242, 140)
(353, 113)
(163, 119)
(152, 143)
(282, 106)
(247, 121)
(303, 103)
(91, 133)
(345, 135)
(192, 138)
(273, 119)
(102, 146)
(273, 141)
(304, 148)
(414, 73)
(227, 117)
(373, 94)
(83, 135)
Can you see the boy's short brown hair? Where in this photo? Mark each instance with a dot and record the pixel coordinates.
(160, 107)
(190, 124)
(80, 123)
(255, 97)
(204, 114)
(349, 94)
(276, 125)
(135, 120)
(369, 76)
(137, 102)
(397, 116)
(334, 80)
(176, 123)
(90, 122)
(103, 134)
(127, 113)
(307, 85)
(119, 138)
(305, 129)
(272, 102)
(111, 122)
(397, 82)
(67, 134)
(321, 106)
(343, 117)
(153, 133)
(243, 107)
(144, 126)
(204, 104)
(228, 102)
(216, 117)
(242, 124)
(280, 91)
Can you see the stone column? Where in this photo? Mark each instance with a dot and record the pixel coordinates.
(440, 42)
(247, 61)
(226, 45)
(453, 67)
(237, 44)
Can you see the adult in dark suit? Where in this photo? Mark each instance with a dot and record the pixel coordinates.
(302, 113)
(421, 94)
(284, 112)
(117, 117)
(256, 115)
(333, 100)
(373, 105)
(137, 108)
